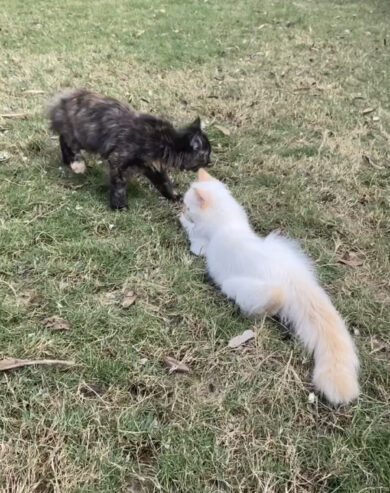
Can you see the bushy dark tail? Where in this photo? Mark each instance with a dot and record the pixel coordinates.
(56, 108)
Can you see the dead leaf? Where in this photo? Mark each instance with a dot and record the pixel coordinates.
(29, 298)
(308, 84)
(310, 81)
(11, 363)
(241, 339)
(129, 299)
(223, 130)
(56, 323)
(14, 116)
(34, 91)
(23, 298)
(367, 111)
(110, 298)
(367, 160)
(92, 389)
(175, 365)
(138, 388)
(351, 259)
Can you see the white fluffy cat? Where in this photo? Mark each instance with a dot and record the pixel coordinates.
(270, 275)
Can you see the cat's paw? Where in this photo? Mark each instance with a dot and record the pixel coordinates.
(78, 167)
(118, 207)
(118, 201)
(198, 248)
(177, 197)
(187, 225)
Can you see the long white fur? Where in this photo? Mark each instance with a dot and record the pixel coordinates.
(270, 275)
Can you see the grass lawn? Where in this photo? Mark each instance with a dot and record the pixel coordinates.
(296, 99)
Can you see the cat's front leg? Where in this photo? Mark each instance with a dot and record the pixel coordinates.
(197, 244)
(162, 182)
(187, 225)
(71, 156)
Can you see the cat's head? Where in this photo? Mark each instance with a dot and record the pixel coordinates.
(209, 203)
(195, 146)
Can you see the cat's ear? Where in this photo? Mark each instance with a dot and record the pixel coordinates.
(196, 142)
(203, 197)
(204, 176)
(196, 124)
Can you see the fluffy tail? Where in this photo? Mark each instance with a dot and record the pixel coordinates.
(322, 330)
(55, 110)
(58, 98)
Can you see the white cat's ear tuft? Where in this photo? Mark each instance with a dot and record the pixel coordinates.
(204, 176)
(204, 197)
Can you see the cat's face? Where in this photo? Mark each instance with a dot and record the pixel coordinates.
(200, 199)
(197, 146)
(209, 204)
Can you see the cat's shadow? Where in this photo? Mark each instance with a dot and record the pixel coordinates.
(95, 180)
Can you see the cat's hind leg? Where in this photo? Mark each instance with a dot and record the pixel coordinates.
(254, 297)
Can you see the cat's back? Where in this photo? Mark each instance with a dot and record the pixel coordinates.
(153, 126)
(286, 252)
(234, 252)
(101, 108)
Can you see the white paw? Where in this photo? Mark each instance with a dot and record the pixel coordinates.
(198, 248)
(78, 167)
(183, 220)
(187, 225)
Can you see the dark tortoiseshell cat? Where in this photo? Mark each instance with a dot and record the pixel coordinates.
(131, 142)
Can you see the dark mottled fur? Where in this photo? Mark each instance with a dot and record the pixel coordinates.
(131, 142)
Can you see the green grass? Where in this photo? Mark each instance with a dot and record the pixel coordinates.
(290, 80)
